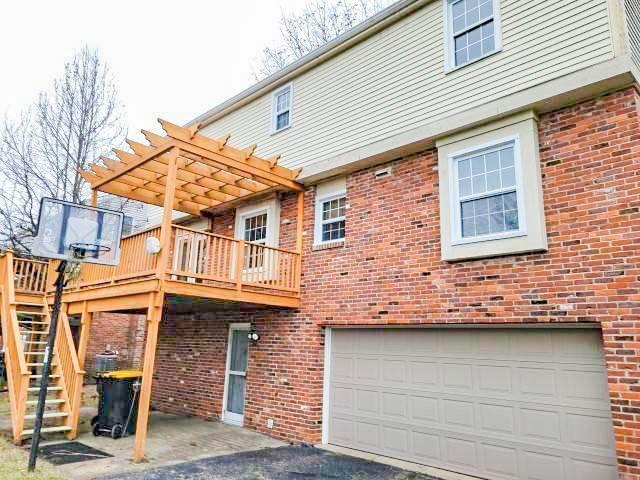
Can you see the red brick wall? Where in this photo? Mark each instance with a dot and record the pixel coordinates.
(390, 272)
(124, 333)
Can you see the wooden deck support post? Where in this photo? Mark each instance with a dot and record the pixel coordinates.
(94, 198)
(154, 310)
(154, 315)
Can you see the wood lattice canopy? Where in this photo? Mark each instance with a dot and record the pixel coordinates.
(210, 172)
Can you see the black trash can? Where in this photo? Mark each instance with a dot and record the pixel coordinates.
(117, 403)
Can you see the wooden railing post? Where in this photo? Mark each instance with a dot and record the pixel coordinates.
(85, 331)
(240, 247)
(299, 233)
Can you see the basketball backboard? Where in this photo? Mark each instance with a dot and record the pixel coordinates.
(70, 231)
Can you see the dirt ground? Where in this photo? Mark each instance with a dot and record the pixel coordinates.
(13, 465)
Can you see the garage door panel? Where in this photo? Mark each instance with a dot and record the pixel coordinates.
(500, 460)
(497, 419)
(502, 415)
(457, 377)
(590, 470)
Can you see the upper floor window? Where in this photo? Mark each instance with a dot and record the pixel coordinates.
(281, 109)
(473, 30)
(331, 207)
(486, 193)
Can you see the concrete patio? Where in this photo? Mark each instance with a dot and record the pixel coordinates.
(171, 439)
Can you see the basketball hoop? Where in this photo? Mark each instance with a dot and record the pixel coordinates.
(79, 252)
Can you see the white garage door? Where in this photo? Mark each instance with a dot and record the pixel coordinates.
(495, 403)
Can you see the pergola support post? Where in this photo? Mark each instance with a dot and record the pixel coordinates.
(154, 315)
(167, 215)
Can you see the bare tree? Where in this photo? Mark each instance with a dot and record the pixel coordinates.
(317, 23)
(42, 152)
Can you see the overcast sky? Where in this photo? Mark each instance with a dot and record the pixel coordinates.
(171, 59)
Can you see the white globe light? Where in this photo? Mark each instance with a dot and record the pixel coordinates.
(153, 245)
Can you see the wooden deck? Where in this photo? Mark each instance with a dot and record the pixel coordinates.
(201, 265)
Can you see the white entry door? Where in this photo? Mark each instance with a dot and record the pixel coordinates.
(236, 373)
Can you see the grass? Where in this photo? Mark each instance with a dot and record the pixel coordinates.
(13, 465)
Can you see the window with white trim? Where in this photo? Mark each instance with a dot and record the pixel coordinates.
(333, 219)
(255, 228)
(331, 207)
(472, 30)
(486, 193)
(281, 107)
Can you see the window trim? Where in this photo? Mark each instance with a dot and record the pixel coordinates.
(274, 104)
(454, 200)
(449, 50)
(319, 222)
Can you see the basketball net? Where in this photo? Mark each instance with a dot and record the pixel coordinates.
(72, 270)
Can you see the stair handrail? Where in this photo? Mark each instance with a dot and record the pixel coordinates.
(72, 374)
(17, 372)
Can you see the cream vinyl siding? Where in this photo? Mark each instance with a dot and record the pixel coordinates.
(395, 80)
(632, 12)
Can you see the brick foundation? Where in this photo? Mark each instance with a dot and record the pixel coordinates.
(389, 272)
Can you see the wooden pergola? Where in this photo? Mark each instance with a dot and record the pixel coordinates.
(192, 173)
(209, 172)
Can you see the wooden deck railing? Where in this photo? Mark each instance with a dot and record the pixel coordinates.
(202, 257)
(17, 372)
(30, 276)
(134, 262)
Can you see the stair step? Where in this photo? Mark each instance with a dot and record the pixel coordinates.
(40, 364)
(32, 322)
(36, 343)
(49, 389)
(32, 416)
(64, 428)
(34, 353)
(53, 375)
(47, 402)
(34, 332)
(24, 312)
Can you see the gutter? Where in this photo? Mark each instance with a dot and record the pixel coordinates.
(390, 15)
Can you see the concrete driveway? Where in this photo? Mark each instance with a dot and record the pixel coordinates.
(282, 463)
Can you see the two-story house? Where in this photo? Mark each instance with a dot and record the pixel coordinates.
(442, 266)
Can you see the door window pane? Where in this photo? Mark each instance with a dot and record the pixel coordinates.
(235, 398)
(239, 344)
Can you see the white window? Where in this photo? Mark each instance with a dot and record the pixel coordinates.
(472, 30)
(487, 204)
(333, 219)
(282, 101)
(255, 228)
(258, 223)
(331, 206)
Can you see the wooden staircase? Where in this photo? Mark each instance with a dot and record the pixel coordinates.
(25, 319)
